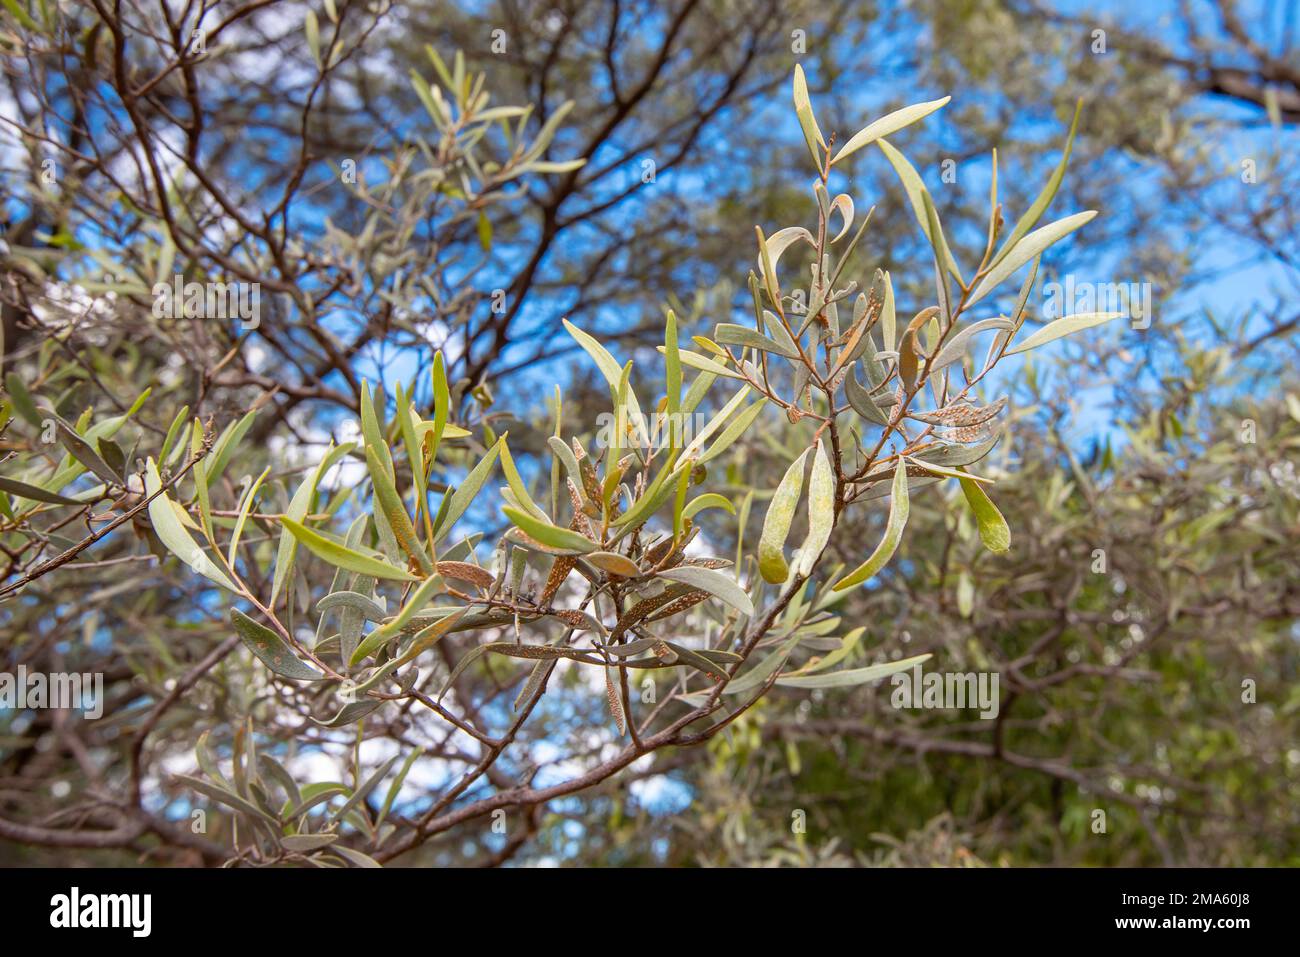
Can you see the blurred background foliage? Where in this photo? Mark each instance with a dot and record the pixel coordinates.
(1171, 448)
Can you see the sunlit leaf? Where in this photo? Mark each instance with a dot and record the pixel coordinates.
(899, 508)
(549, 534)
(715, 583)
(385, 632)
(1026, 249)
(776, 525)
(886, 125)
(994, 531)
(343, 557)
(468, 490)
(1063, 327)
(821, 510)
(852, 676)
(172, 533)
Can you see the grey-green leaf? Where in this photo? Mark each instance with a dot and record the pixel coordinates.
(271, 648)
(851, 676)
(715, 583)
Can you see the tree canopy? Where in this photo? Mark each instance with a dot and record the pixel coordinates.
(617, 433)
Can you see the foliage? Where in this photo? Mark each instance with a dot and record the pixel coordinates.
(427, 620)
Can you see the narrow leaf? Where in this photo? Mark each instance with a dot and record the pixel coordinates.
(776, 525)
(271, 648)
(899, 507)
(343, 557)
(713, 582)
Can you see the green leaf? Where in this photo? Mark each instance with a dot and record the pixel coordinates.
(548, 534)
(916, 191)
(736, 335)
(395, 512)
(821, 510)
(708, 500)
(311, 27)
(21, 15)
(372, 429)
(381, 635)
(1044, 199)
(705, 364)
(727, 414)
(615, 702)
(860, 399)
(887, 125)
(35, 493)
(614, 563)
(847, 644)
(513, 650)
(516, 483)
(407, 422)
(956, 346)
(937, 469)
(564, 455)
(776, 525)
(994, 531)
(812, 134)
(370, 609)
(244, 509)
(672, 364)
(715, 583)
(162, 515)
(609, 368)
(734, 430)
(430, 635)
(441, 402)
(361, 793)
(899, 508)
(1026, 249)
(271, 648)
(342, 557)
(759, 674)
(316, 793)
(852, 676)
(301, 843)
(466, 492)
(653, 497)
(81, 450)
(172, 432)
(24, 405)
(1064, 327)
(358, 858)
(288, 547)
(229, 798)
(888, 318)
(699, 389)
(225, 447)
